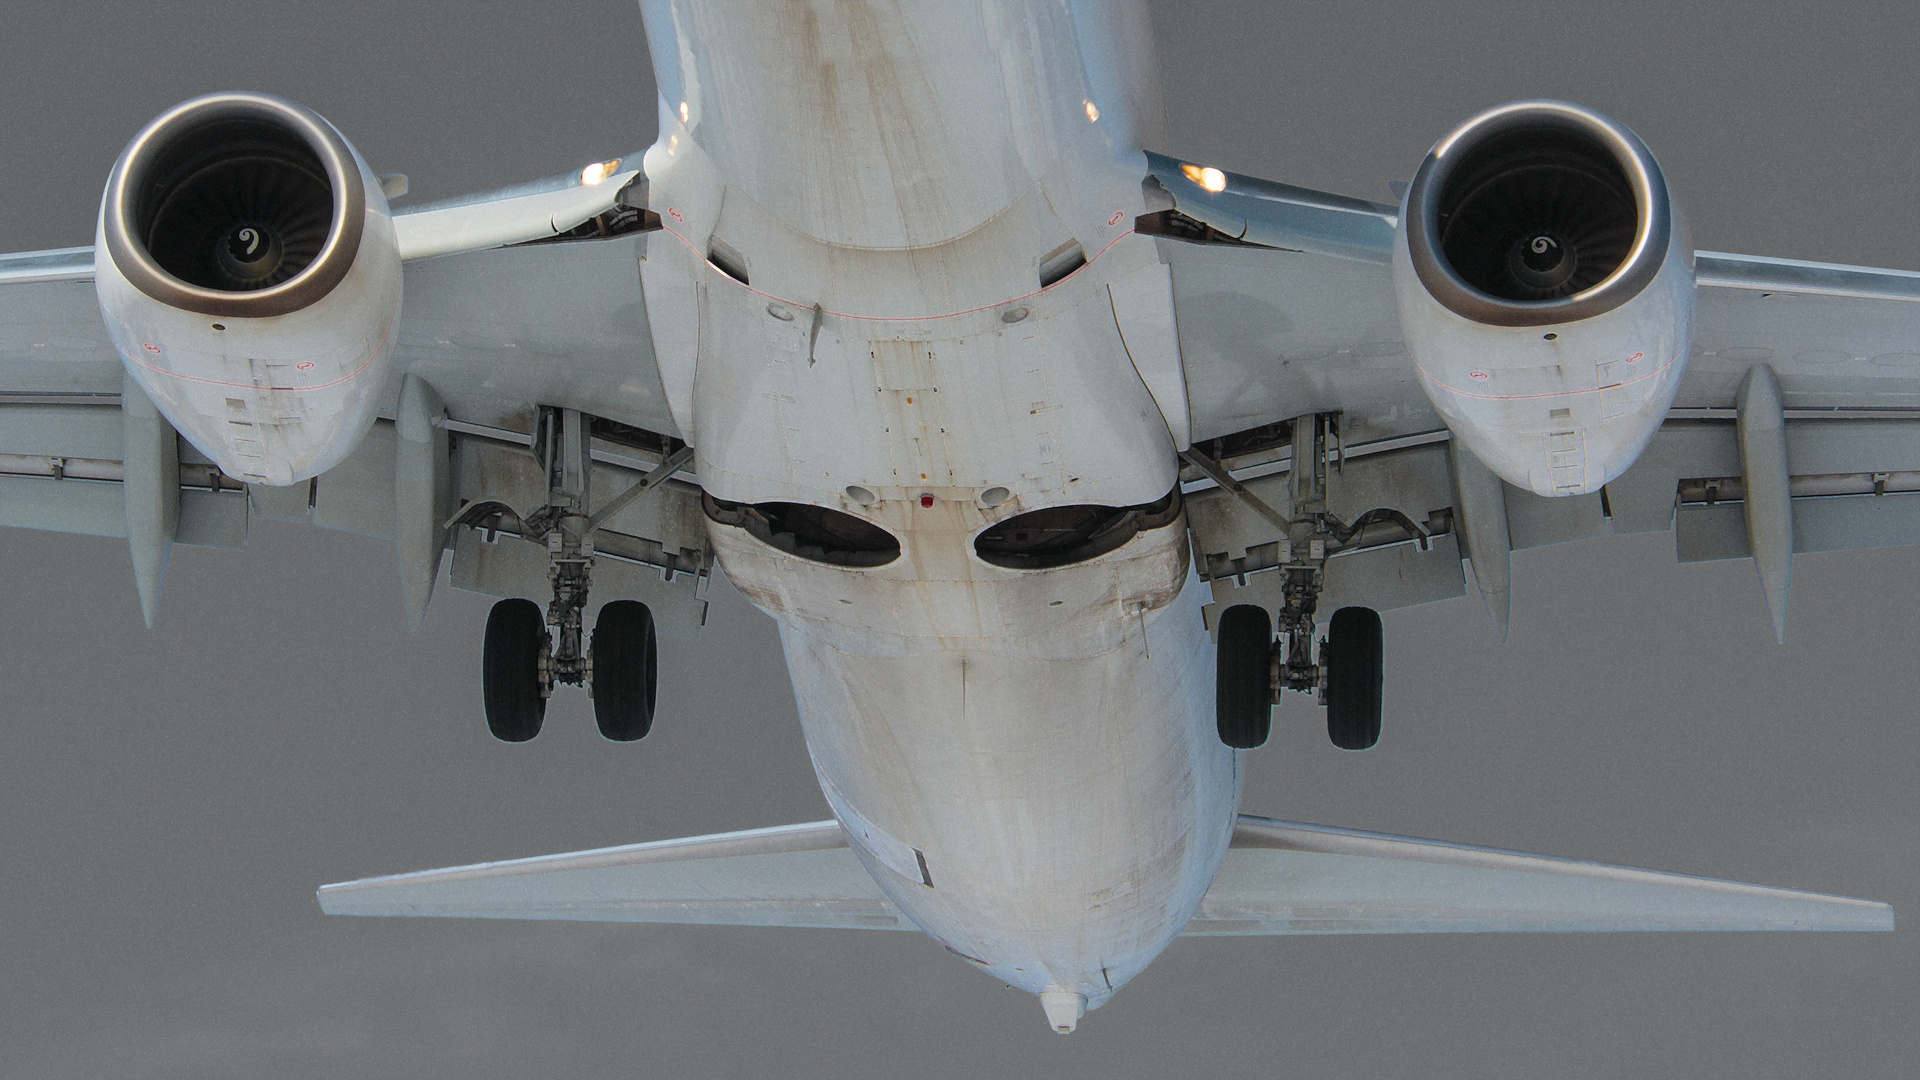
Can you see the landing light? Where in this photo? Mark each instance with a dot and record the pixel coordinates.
(1210, 178)
(1093, 112)
(598, 172)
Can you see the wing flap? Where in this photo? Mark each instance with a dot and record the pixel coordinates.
(1283, 877)
(790, 875)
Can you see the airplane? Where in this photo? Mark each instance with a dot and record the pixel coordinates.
(1115, 475)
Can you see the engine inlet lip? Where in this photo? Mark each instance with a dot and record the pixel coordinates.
(312, 283)
(1653, 225)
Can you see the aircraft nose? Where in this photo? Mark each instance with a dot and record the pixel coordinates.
(1064, 1009)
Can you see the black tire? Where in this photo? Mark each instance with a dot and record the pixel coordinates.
(626, 670)
(510, 670)
(1352, 656)
(1243, 677)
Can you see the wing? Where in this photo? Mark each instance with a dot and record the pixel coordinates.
(1285, 309)
(554, 318)
(791, 875)
(1283, 305)
(1283, 877)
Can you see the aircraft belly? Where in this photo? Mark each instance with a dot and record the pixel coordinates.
(872, 126)
(1063, 816)
(1025, 761)
(1048, 405)
(882, 288)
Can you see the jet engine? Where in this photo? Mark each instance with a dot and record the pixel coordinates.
(1545, 289)
(247, 268)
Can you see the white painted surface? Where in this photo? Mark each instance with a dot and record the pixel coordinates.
(1561, 415)
(471, 226)
(1025, 763)
(1039, 745)
(274, 400)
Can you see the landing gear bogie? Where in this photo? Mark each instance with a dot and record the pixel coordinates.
(527, 651)
(1346, 673)
(1253, 668)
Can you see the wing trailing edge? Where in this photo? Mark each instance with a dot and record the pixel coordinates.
(1284, 877)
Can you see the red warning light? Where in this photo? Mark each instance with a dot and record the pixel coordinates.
(926, 502)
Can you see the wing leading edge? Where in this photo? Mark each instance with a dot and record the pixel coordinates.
(1279, 877)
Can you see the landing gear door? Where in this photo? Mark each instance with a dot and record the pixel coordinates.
(654, 550)
(1394, 505)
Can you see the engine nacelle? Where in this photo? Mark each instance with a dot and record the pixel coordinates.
(248, 272)
(1545, 289)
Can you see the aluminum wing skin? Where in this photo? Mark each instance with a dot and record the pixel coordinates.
(1839, 337)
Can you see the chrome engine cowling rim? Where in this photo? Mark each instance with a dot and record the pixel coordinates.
(121, 228)
(1425, 211)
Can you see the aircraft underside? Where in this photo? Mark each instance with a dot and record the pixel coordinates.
(1057, 461)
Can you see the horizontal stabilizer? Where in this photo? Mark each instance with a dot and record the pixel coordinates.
(1283, 877)
(790, 875)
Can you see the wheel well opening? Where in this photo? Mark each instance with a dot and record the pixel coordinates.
(811, 532)
(1056, 536)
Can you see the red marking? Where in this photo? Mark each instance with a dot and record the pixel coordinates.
(1117, 215)
(1480, 376)
(1634, 357)
(151, 347)
(926, 502)
(674, 213)
(348, 377)
(304, 365)
(1639, 378)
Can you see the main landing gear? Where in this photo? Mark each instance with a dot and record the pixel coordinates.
(520, 667)
(527, 651)
(1257, 660)
(1253, 668)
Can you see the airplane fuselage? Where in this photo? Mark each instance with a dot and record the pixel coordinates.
(859, 240)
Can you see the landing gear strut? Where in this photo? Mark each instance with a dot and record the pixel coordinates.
(1347, 675)
(522, 663)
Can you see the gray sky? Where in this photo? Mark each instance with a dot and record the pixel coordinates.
(172, 797)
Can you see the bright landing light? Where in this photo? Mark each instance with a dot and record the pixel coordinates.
(1093, 113)
(1209, 177)
(598, 171)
